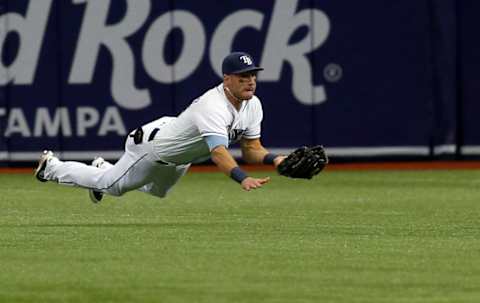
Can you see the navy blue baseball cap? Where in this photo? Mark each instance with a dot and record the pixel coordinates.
(237, 63)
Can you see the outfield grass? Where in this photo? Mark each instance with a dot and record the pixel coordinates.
(343, 237)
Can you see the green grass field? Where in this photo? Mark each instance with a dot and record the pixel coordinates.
(374, 236)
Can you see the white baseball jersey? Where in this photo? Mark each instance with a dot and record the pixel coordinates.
(181, 140)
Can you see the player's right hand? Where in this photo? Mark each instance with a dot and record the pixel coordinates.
(250, 183)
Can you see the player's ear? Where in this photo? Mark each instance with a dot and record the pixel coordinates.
(226, 79)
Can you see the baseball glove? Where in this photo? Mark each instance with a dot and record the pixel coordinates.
(304, 162)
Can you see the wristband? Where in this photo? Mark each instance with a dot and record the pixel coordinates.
(238, 174)
(268, 159)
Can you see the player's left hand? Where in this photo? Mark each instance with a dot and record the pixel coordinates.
(304, 162)
(250, 183)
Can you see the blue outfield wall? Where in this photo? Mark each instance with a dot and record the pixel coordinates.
(376, 78)
(469, 76)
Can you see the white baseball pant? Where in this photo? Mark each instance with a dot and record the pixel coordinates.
(138, 168)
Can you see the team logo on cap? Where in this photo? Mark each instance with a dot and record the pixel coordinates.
(247, 60)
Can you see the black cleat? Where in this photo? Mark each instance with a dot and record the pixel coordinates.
(42, 164)
(96, 196)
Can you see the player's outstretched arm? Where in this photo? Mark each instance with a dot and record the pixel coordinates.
(227, 164)
(253, 152)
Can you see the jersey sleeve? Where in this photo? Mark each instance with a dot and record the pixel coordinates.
(214, 141)
(253, 130)
(211, 120)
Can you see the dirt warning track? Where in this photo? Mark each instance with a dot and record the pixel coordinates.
(445, 165)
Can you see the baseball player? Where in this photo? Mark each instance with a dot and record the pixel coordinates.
(159, 153)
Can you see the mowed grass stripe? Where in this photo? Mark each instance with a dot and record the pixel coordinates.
(396, 236)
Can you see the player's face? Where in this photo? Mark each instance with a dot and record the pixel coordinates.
(243, 85)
